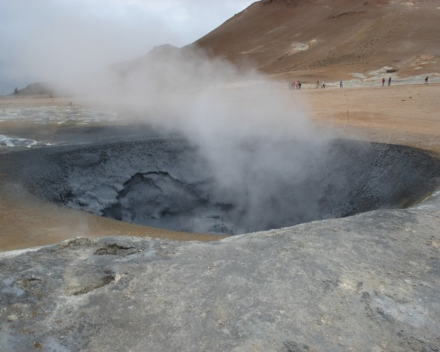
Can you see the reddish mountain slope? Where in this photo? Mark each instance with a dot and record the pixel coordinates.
(332, 38)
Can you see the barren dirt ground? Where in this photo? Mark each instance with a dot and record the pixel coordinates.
(406, 114)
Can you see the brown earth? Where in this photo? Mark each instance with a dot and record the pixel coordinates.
(318, 39)
(7, 101)
(405, 114)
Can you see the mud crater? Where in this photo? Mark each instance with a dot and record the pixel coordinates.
(170, 183)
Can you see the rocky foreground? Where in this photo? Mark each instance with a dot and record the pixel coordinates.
(370, 282)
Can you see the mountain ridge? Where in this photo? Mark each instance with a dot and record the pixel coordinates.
(331, 39)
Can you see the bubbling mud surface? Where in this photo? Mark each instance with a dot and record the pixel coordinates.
(170, 183)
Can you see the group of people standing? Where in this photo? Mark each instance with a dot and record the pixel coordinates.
(383, 81)
(389, 81)
(297, 84)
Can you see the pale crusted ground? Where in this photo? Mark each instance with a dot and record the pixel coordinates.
(405, 114)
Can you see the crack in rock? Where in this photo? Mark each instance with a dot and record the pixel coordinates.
(105, 280)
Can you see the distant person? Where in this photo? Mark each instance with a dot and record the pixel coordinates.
(323, 85)
(426, 80)
(317, 84)
(341, 84)
(389, 81)
(299, 84)
(383, 81)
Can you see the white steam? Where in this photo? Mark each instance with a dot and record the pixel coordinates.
(254, 132)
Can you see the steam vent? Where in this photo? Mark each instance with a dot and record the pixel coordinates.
(169, 183)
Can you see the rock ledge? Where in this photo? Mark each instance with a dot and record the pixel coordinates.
(370, 282)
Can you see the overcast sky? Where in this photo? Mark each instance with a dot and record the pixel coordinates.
(39, 37)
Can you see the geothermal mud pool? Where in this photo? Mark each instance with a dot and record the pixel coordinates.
(171, 183)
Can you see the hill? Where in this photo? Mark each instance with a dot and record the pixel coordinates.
(39, 88)
(332, 39)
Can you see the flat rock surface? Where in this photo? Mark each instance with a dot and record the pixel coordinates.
(370, 282)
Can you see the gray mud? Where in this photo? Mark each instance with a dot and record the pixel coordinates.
(168, 182)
